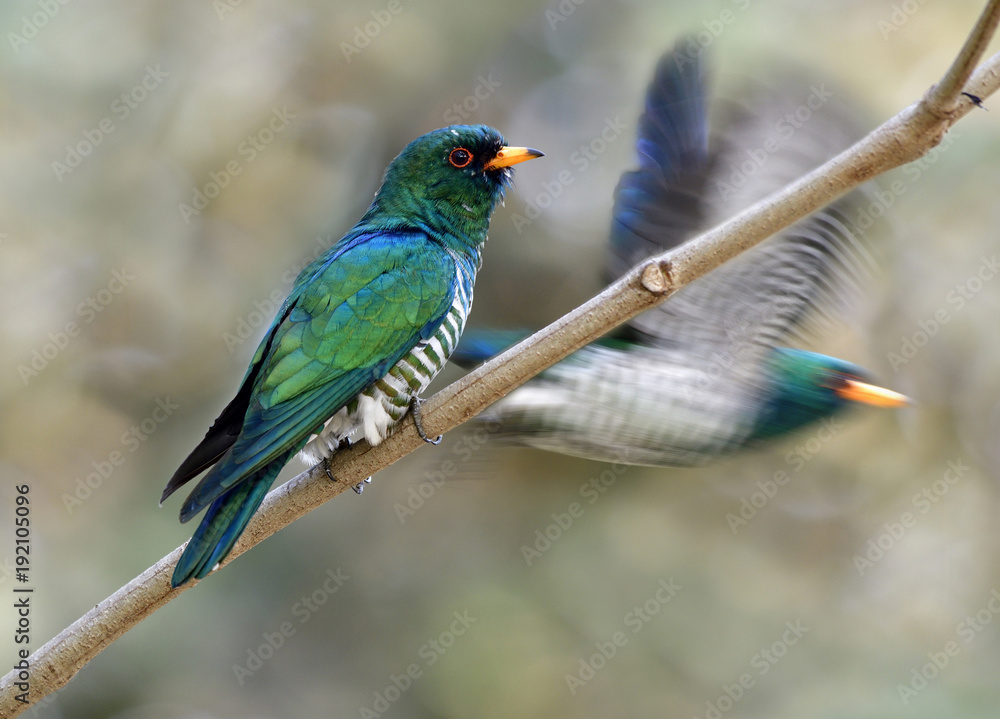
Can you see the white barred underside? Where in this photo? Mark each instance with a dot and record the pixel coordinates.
(374, 412)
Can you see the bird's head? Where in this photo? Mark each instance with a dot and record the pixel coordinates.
(805, 386)
(451, 179)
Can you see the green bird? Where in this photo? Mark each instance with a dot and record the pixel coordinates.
(366, 327)
(707, 372)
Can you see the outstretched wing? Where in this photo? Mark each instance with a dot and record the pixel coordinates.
(660, 205)
(766, 140)
(340, 330)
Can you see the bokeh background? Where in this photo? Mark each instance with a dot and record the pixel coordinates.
(128, 323)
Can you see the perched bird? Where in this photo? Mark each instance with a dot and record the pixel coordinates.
(706, 372)
(365, 328)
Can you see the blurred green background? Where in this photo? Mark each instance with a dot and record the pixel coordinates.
(129, 323)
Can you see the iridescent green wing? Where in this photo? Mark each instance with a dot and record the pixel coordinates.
(341, 330)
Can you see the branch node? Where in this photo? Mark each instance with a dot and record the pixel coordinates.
(656, 277)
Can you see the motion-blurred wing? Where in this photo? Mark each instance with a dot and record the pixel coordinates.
(766, 140)
(660, 205)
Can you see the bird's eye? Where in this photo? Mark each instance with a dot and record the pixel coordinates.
(838, 380)
(460, 157)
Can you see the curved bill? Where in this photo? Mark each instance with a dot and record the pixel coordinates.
(857, 391)
(507, 156)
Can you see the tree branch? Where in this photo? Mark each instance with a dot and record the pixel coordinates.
(906, 137)
(945, 93)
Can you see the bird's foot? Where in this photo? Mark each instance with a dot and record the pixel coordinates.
(415, 403)
(360, 487)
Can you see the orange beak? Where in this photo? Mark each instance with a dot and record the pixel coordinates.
(507, 156)
(857, 391)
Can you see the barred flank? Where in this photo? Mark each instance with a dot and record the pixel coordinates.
(411, 375)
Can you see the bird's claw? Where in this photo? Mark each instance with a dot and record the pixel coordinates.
(360, 486)
(415, 403)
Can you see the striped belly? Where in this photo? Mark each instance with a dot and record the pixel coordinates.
(373, 413)
(387, 401)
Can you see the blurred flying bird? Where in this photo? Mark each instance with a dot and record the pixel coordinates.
(706, 373)
(365, 328)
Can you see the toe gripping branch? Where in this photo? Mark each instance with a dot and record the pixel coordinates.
(359, 487)
(415, 403)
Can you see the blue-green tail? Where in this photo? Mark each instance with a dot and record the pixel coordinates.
(223, 523)
(480, 344)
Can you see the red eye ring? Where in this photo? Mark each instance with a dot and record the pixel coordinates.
(460, 157)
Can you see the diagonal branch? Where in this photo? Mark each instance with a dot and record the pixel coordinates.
(905, 137)
(945, 93)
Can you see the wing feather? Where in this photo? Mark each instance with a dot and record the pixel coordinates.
(687, 182)
(342, 329)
